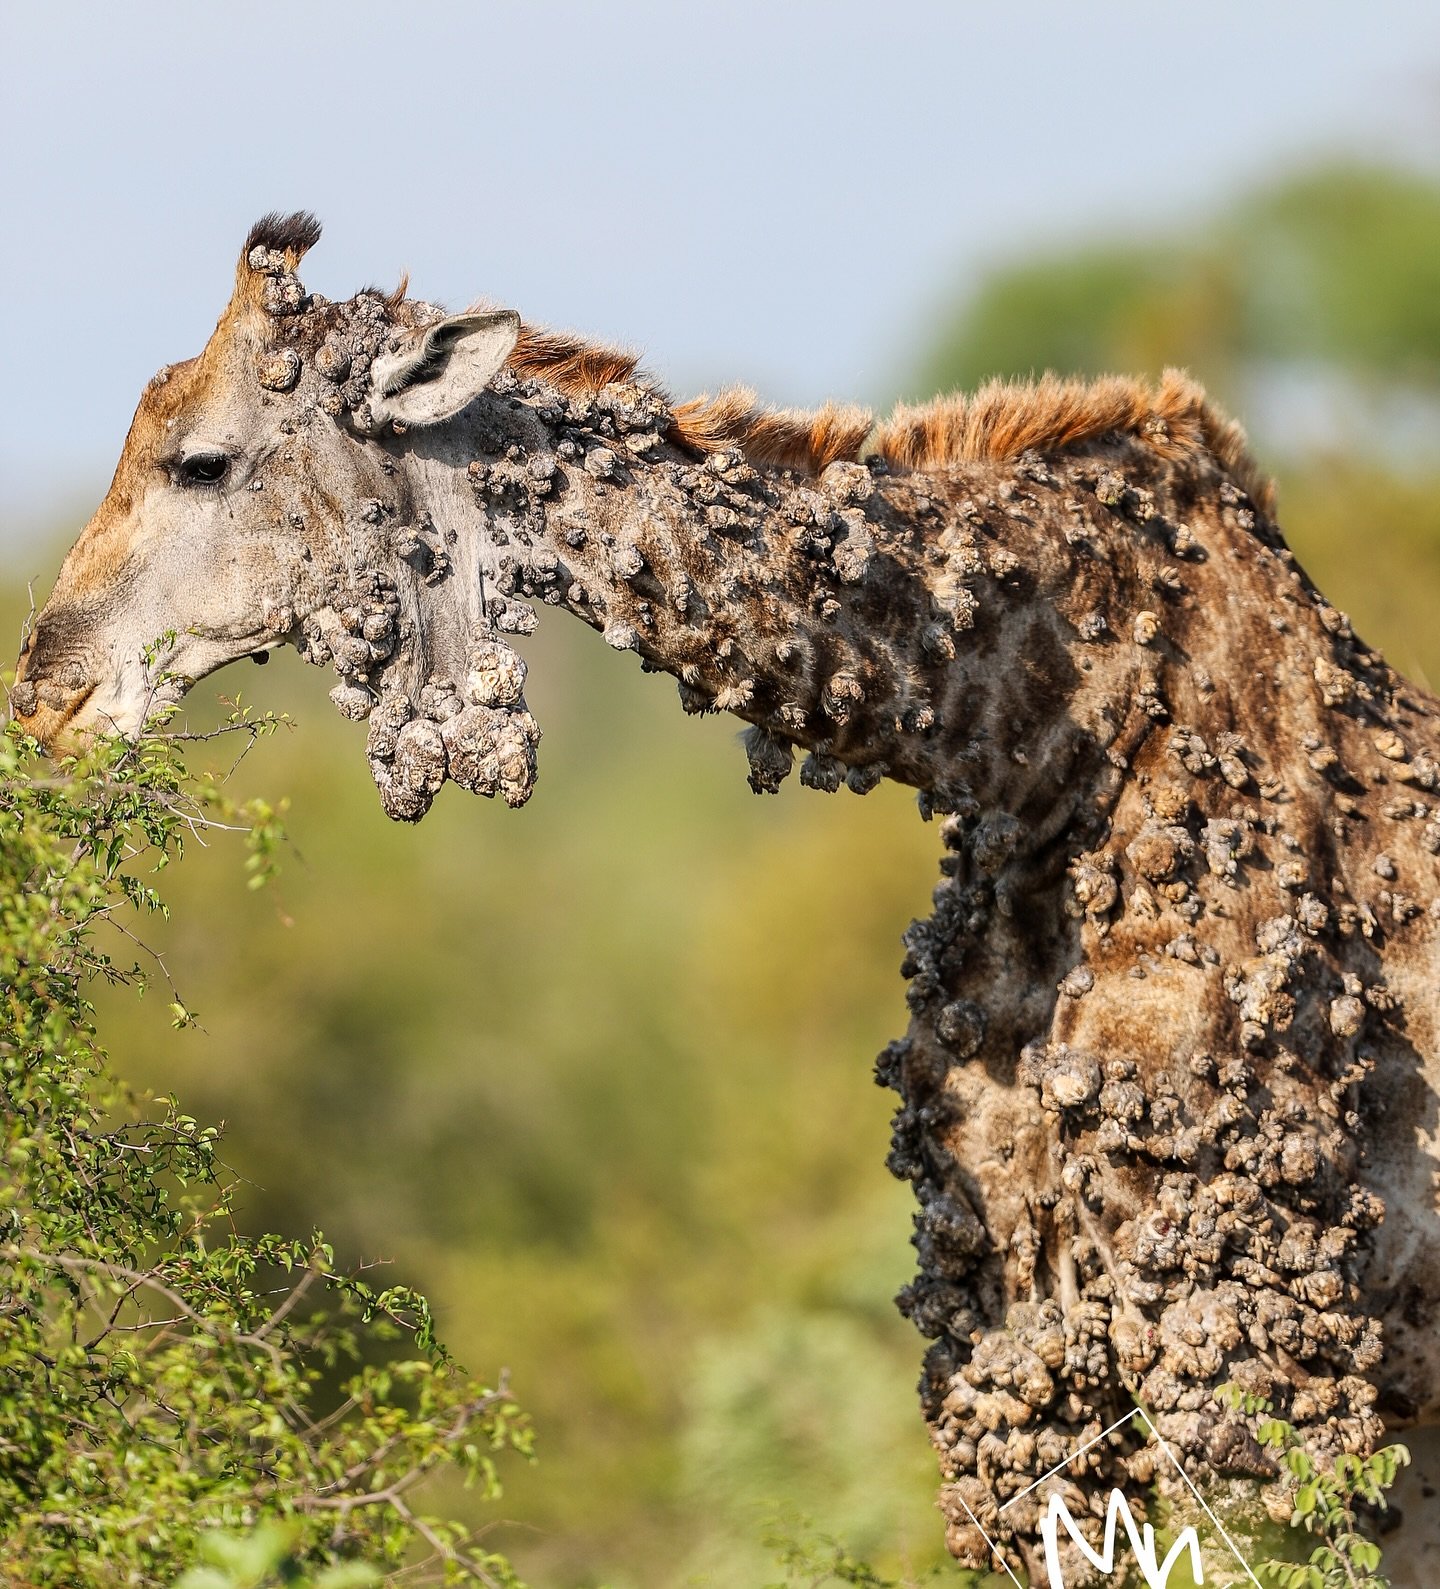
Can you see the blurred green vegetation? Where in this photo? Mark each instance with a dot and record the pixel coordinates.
(597, 1072)
(163, 1376)
(1336, 267)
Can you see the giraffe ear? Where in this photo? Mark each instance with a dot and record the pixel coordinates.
(443, 372)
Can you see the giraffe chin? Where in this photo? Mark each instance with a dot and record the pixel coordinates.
(99, 713)
(55, 727)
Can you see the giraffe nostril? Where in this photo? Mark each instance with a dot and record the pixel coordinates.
(72, 676)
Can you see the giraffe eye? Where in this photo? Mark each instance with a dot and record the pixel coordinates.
(203, 468)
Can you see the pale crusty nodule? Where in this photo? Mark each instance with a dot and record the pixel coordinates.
(1168, 1097)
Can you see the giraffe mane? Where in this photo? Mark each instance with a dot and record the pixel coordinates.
(571, 364)
(999, 421)
(1005, 418)
(806, 440)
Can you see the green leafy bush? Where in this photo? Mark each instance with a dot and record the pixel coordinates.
(163, 1379)
(1325, 1503)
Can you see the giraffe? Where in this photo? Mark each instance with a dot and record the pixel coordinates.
(1167, 1099)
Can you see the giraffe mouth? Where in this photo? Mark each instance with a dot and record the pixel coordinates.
(53, 726)
(73, 710)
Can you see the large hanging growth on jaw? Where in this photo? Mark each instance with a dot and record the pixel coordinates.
(384, 362)
(475, 731)
(480, 736)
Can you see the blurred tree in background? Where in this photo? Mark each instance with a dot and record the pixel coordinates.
(596, 1073)
(1336, 271)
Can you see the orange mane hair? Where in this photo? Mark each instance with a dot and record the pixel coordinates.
(1005, 418)
(569, 363)
(998, 422)
(783, 438)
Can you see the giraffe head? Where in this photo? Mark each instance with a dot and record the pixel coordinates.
(226, 529)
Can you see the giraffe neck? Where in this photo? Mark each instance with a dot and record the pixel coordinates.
(1167, 1099)
(900, 624)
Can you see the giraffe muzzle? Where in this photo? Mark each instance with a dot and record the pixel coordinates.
(46, 701)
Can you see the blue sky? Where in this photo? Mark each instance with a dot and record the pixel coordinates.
(781, 193)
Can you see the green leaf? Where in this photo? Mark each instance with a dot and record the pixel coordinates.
(1365, 1554)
